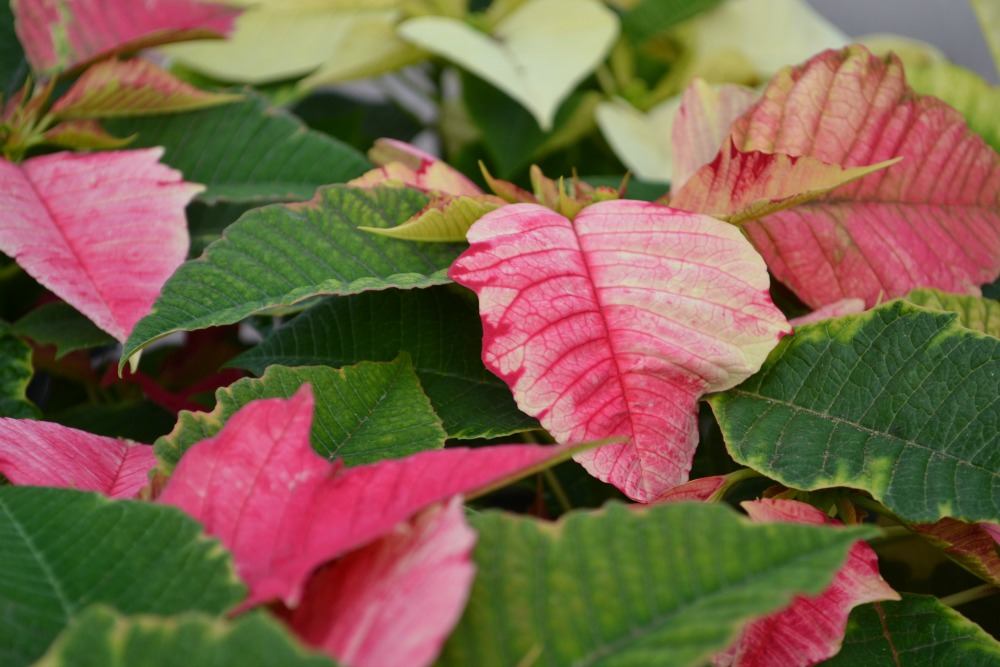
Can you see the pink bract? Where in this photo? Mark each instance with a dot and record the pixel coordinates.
(410, 166)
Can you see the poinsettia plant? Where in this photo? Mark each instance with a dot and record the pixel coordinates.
(577, 332)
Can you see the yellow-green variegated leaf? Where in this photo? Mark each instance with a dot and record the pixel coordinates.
(445, 219)
(974, 312)
(536, 54)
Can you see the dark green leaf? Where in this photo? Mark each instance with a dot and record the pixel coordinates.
(898, 401)
(100, 637)
(438, 327)
(62, 325)
(15, 374)
(917, 630)
(364, 413)
(650, 17)
(656, 585)
(284, 254)
(246, 152)
(13, 64)
(63, 550)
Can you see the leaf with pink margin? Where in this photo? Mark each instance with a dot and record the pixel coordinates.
(135, 87)
(614, 324)
(40, 453)
(699, 490)
(812, 628)
(64, 34)
(409, 585)
(971, 545)
(738, 187)
(102, 231)
(411, 167)
(836, 309)
(702, 125)
(283, 510)
(931, 221)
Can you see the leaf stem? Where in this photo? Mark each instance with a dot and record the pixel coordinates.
(557, 490)
(732, 479)
(969, 595)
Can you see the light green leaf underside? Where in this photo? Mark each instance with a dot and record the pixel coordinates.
(15, 374)
(246, 151)
(966, 91)
(64, 549)
(974, 312)
(62, 325)
(917, 630)
(899, 401)
(438, 327)
(659, 585)
(101, 637)
(364, 413)
(283, 254)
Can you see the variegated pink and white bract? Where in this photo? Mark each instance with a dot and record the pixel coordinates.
(615, 323)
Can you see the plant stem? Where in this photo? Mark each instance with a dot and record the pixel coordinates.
(876, 507)
(732, 479)
(557, 490)
(975, 593)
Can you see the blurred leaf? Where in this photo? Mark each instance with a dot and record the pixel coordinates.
(13, 64)
(60, 324)
(15, 374)
(650, 17)
(968, 92)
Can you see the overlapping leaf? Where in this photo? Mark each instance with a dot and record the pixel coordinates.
(64, 549)
(918, 630)
(971, 545)
(61, 325)
(963, 89)
(283, 510)
(247, 151)
(974, 312)
(101, 636)
(931, 221)
(48, 454)
(621, 586)
(283, 254)
(102, 231)
(15, 374)
(364, 413)
(616, 323)
(438, 328)
(64, 34)
(898, 401)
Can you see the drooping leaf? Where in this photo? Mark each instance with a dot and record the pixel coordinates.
(897, 401)
(278, 531)
(971, 545)
(101, 637)
(811, 629)
(102, 231)
(701, 128)
(641, 141)
(16, 372)
(439, 329)
(60, 324)
(974, 312)
(918, 630)
(741, 186)
(659, 585)
(247, 151)
(65, 549)
(650, 17)
(616, 323)
(536, 54)
(47, 454)
(134, 87)
(931, 221)
(64, 34)
(410, 585)
(364, 413)
(281, 255)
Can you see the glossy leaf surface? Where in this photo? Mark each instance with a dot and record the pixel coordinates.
(616, 323)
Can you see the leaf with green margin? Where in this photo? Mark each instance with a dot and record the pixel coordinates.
(650, 17)
(918, 630)
(438, 327)
(246, 151)
(60, 324)
(15, 374)
(899, 401)
(64, 549)
(364, 413)
(974, 312)
(283, 254)
(620, 587)
(101, 637)
(965, 90)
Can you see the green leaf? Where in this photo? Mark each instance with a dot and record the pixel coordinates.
(438, 327)
(917, 630)
(13, 64)
(62, 325)
(281, 255)
(974, 312)
(898, 401)
(364, 413)
(246, 151)
(64, 549)
(628, 585)
(650, 17)
(15, 374)
(966, 91)
(100, 637)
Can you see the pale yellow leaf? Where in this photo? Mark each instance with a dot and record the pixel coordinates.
(641, 141)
